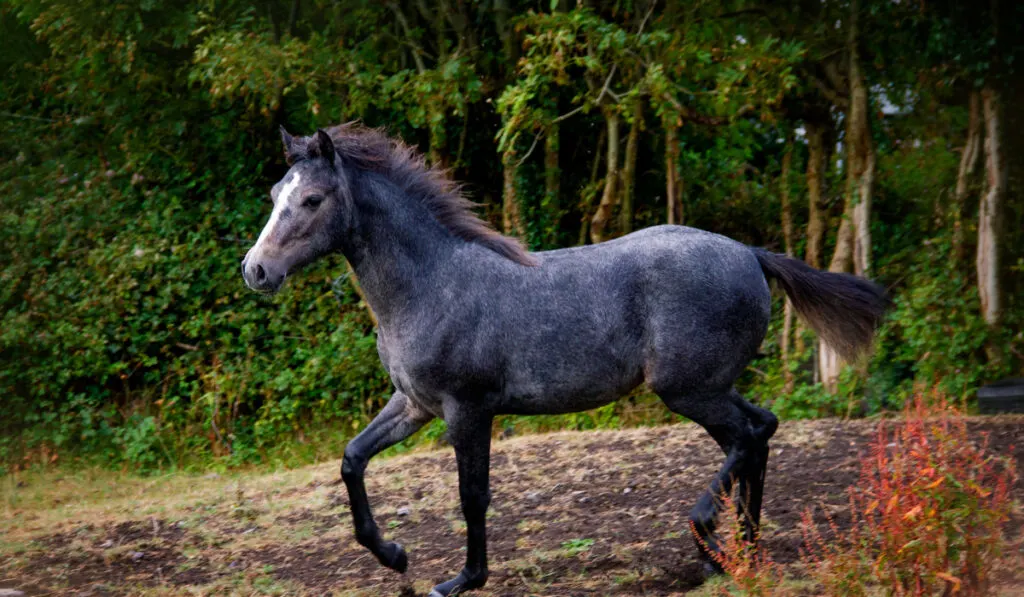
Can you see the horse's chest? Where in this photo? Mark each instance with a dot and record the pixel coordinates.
(415, 374)
(430, 370)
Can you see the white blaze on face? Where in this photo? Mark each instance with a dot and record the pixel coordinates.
(282, 202)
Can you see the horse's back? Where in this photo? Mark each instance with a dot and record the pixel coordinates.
(671, 265)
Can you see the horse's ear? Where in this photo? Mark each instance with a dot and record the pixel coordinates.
(325, 146)
(287, 139)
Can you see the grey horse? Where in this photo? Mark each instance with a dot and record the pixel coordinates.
(472, 325)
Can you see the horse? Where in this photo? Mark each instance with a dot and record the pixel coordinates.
(472, 325)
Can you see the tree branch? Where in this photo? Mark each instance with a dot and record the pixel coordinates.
(607, 82)
(647, 16)
(568, 114)
(35, 118)
(530, 151)
(830, 93)
(416, 50)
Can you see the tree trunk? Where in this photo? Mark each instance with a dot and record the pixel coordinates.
(502, 14)
(853, 244)
(990, 217)
(965, 175)
(673, 182)
(842, 258)
(511, 220)
(629, 169)
(829, 363)
(816, 168)
(787, 236)
(552, 179)
(293, 18)
(610, 196)
(589, 191)
(860, 153)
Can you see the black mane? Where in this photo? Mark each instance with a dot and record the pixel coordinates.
(371, 149)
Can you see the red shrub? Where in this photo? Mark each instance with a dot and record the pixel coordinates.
(927, 514)
(752, 571)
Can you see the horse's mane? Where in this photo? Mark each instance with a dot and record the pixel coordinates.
(371, 149)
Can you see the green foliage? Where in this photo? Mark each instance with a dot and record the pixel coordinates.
(127, 334)
(140, 141)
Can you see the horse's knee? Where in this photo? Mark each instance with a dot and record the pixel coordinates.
(353, 465)
(765, 424)
(475, 503)
(703, 514)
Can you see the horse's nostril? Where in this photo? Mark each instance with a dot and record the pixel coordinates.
(261, 274)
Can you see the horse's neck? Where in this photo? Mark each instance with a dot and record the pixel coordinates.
(395, 250)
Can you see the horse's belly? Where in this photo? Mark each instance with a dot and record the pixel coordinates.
(554, 391)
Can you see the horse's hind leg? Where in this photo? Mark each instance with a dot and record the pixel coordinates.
(399, 419)
(742, 431)
(751, 480)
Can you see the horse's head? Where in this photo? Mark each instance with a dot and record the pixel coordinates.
(312, 206)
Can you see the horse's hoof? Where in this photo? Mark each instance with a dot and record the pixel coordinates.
(461, 583)
(393, 556)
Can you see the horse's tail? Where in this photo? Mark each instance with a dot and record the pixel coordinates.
(843, 309)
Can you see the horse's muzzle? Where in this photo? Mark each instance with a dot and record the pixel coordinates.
(262, 275)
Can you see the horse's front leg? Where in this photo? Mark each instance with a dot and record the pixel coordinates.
(399, 419)
(470, 434)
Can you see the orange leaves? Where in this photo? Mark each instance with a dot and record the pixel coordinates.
(753, 572)
(927, 513)
(950, 579)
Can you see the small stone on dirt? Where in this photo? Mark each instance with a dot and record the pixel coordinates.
(403, 511)
(627, 490)
(11, 593)
(107, 544)
(138, 555)
(533, 496)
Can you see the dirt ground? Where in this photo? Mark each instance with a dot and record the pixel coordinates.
(592, 513)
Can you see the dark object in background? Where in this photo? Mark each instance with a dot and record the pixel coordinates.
(1004, 396)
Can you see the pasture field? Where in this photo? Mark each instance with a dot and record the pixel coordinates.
(573, 513)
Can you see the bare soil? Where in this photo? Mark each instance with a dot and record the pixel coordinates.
(593, 513)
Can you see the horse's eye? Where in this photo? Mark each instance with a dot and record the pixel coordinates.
(313, 201)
